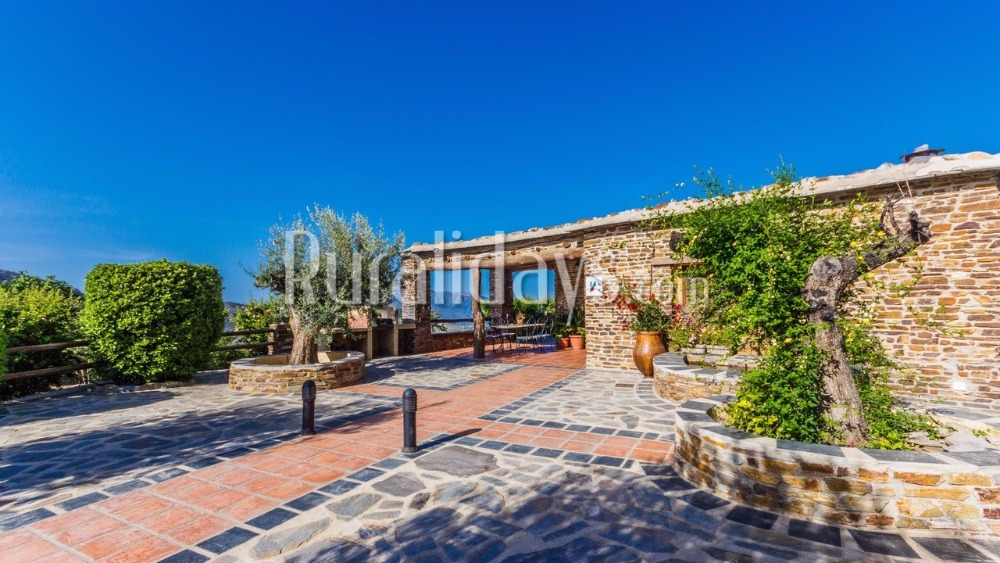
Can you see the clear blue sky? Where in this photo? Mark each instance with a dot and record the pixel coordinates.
(140, 130)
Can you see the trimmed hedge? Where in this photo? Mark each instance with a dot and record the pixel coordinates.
(154, 321)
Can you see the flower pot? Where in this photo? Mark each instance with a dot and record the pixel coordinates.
(648, 345)
(577, 342)
(562, 342)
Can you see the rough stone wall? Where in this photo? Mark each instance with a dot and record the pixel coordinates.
(450, 341)
(912, 490)
(624, 254)
(416, 281)
(961, 276)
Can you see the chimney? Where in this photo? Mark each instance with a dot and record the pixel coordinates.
(921, 151)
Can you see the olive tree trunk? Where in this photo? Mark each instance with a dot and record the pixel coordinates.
(478, 322)
(303, 341)
(828, 278)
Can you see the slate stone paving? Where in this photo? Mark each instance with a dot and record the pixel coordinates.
(462, 497)
(67, 452)
(597, 401)
(432, 372)
(459, 501)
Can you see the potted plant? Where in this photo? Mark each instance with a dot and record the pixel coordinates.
(576, 338)
(561, 331)
(651, 322)
(519, 318)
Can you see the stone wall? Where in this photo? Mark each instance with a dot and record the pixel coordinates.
(440, 341)
(848, 486)
(624, 253)
(272, 374)
(675, 380)
(960, 284)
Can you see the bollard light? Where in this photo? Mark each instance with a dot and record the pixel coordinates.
(309, 408)
(409, 421)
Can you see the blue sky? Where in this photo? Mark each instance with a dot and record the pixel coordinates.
(139, 130)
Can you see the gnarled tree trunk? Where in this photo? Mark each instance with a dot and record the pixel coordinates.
(478, 322)
(303, 342)
(828, 278)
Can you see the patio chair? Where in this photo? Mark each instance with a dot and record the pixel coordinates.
(531, 336)
(494, 336)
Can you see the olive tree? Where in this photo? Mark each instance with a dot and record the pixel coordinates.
(328, 266)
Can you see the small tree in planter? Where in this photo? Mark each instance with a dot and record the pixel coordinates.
(328, 267)
(781, 266)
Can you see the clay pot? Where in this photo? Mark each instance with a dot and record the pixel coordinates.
(648, 345)
(562, 342)
(577, 342)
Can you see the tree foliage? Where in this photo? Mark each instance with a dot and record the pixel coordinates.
(154, 321)
(756, 249)
(37, 311)
(336, 265)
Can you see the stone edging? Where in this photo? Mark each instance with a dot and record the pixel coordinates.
(248, 376)
(676, 380)
(858, 487)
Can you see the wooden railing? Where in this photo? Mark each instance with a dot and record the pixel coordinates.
(62, 370)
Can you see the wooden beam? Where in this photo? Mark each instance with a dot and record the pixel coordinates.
(513, 260)
(47, 371)
(54, 347)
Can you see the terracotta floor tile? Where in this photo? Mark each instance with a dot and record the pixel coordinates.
(582, 447)
(587, 437)
(16, 538)
(174, 485)
(248, 508)
(143, 510)
(197, 492)
(352, 463)
(112, 542)
(237, 476)
(546, 442)
(270, 464)
(62, 522)
(218, 501)
(616, 451)
(262, 484)
(170, 519)
(87, 531)
(618, 442)
(202, 528)
(152, 549)
(327, 458)
(647, 455)
(288, 491)
(297, 470)
(322, 476)
(35, 550)
(125, 502)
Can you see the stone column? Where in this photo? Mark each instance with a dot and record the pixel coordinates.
(568, 279)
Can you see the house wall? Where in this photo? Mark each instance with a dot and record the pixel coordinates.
(960, 282)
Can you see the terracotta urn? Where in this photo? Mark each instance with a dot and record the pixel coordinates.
(648, 345)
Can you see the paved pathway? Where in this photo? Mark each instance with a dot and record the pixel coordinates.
(527, 457)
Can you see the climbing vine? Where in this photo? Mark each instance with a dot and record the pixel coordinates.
(757, 249)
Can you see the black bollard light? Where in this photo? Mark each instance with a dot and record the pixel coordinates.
(409, 421)
(308, 408)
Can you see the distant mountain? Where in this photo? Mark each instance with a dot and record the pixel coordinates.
(7, 275)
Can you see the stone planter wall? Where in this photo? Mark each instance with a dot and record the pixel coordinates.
(450, 340)
(847, 486)
(675, 380)
(272, 374)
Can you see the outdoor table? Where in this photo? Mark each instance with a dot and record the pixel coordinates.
(514, 328)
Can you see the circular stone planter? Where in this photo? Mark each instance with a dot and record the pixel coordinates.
(272, 374)
(852, 486)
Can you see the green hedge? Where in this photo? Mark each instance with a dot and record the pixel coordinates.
(37, 311)
(154, 321)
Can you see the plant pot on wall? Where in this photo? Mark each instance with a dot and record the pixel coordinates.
(648, 345)
(577, 341)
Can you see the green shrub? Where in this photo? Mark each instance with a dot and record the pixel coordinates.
(37, 311)
(154, 321)
(255, 315)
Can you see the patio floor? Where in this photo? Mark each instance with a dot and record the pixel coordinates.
(523, 457)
